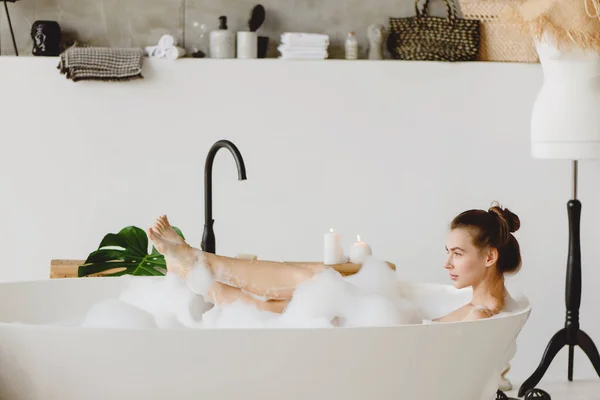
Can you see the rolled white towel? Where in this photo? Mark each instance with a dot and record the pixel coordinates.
(151, 50)
(167, 41)
(160, 52)
(156, 52)
(173, 53)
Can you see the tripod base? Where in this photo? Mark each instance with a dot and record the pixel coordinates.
(558, 341)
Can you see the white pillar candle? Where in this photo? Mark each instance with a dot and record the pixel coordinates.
(359, 251)
(247, 45)
(333, 252)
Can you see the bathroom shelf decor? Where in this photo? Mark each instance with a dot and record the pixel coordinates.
(501, 40)
(10, 27)
(428, 38)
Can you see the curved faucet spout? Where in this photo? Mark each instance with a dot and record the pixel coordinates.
(208, 236)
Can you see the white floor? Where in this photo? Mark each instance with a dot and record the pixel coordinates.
(565, 390)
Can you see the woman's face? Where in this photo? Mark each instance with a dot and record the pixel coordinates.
(466, 264)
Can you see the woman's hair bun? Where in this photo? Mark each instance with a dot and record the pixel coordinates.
(511, 219)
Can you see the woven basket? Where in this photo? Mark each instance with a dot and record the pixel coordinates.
(427, 38)
(500, 40)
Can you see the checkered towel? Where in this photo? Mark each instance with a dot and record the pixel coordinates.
(101, 63)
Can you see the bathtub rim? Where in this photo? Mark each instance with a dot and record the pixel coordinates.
(516, 295)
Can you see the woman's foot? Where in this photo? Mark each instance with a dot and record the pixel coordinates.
(163, 235)
(178, 254)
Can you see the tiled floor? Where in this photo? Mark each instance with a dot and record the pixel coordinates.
(565, 390)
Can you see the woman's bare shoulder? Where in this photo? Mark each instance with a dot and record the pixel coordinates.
(454, 316)
(477, 313)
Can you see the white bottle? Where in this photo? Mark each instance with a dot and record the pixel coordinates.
(222, 41)
(351, 47)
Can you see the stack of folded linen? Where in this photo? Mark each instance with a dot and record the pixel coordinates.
(303, 46)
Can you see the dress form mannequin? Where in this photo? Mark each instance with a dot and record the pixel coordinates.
(565, 124)
(566, 108)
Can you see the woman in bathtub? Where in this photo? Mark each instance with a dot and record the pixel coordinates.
(481, 251)
(480, 245)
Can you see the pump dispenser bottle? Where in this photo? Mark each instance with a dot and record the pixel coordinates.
(222, 41)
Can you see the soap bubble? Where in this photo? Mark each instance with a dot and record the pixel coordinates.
(328, 300)
(113, 313)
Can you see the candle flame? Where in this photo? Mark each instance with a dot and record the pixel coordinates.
(331, 230)
(358, 238)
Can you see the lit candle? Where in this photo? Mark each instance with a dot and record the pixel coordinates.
(359, 251)
(333, 253)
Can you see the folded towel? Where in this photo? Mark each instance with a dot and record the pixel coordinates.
(304, 46)
(304, 36)
(302, 49)
(295, 38)
(293, 52)
(305, 43)
(101, 63)
(302, 57)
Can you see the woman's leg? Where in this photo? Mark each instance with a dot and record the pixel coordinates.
(265, 279)
(221, 294)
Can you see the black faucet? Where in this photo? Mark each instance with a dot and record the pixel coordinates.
(208, 237)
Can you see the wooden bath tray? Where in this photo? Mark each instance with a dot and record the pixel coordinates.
(68, 268)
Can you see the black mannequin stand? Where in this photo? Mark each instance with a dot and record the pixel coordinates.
(570, 335)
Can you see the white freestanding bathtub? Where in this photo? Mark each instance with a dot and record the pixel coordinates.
(449, 361)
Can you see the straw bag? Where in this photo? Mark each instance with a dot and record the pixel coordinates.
(501, 40)
(429, 38)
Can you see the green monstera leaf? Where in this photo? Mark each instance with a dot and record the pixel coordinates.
(127, 252)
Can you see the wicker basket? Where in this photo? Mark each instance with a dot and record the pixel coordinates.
(500, 40)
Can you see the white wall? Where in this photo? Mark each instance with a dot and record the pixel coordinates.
(389, 150)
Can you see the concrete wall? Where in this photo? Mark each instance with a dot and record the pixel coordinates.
(124, 23)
